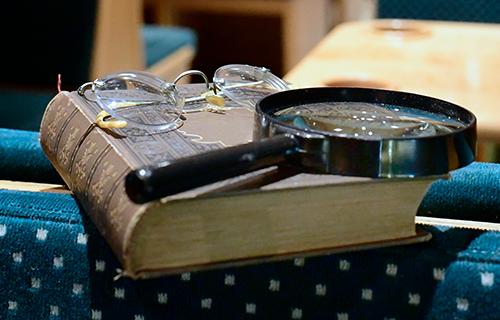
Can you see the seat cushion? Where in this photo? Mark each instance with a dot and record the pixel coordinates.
(54, 264)
(473, 193)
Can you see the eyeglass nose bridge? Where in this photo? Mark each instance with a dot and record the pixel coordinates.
(196, 72)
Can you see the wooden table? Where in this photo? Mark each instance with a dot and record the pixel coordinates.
(458, 62)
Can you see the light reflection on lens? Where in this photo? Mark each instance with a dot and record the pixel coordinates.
(366, 120)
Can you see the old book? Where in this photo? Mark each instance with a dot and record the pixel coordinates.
(267, 215)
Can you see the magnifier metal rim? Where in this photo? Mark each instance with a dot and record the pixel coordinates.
(330, 152)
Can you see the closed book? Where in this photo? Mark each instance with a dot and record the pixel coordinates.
(270, 214)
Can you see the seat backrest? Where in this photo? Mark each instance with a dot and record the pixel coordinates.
(45, 38)
(487, 11)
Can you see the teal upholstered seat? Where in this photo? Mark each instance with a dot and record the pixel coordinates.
(54, 264)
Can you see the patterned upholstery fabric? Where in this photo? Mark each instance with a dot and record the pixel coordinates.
(55, 265)
(472, 194)
(487, 11)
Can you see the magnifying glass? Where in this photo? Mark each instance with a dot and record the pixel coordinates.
(345, 131)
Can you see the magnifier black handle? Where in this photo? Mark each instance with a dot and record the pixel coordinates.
(151, 183)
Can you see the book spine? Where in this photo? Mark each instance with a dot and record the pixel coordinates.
(91, 167)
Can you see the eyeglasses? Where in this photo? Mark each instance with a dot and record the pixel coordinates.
(145, 101)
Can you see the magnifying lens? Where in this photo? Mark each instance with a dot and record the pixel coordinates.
(345, 131)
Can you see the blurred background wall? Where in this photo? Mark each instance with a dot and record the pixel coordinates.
(274, 34)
